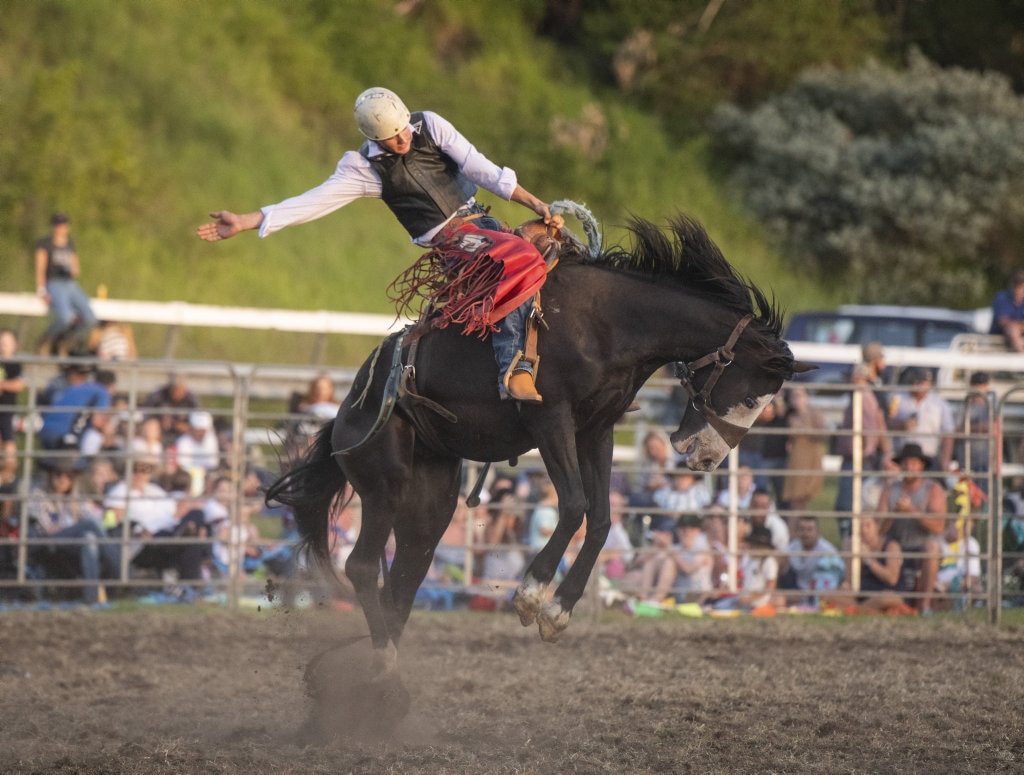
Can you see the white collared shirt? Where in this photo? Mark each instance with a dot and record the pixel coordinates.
(355, 178)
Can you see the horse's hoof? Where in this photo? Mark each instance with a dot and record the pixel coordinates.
(552, 621)
(527, 600)
(384, 663)
(526, 609)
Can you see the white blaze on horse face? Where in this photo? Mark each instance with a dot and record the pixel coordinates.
(706, 449)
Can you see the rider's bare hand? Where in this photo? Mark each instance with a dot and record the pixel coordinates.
(227, 224)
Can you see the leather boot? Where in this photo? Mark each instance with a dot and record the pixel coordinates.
(521, 387)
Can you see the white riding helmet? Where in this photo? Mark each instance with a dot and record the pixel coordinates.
(380, 113)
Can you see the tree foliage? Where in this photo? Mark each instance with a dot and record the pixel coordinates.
(903, 186)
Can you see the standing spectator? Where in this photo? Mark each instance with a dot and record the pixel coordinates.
(875, 444)
(11, 383)
(197, 451)
(55, 511)
(814, 564)
(764, 448)
(681, 570)
(805, 451)
(925, 418)
(57, 270)
(177, 401)
(919, 508)
(873, 357)
(975, 417)
(71, 411)
(763, 514)
(449, 564)
(1008, 313)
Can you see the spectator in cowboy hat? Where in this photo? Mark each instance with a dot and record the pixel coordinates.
(912, 510)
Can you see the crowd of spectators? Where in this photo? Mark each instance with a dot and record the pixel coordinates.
(110, 484)
(143, 495)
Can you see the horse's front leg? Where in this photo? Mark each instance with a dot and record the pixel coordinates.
(530, 597)
(593, 470)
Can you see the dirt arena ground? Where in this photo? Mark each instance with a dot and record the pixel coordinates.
(183, 690)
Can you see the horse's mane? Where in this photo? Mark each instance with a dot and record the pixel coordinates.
(685, 255)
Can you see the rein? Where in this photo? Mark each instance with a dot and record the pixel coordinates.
(701, 401)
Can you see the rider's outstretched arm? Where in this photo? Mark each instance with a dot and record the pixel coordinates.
(228, 224)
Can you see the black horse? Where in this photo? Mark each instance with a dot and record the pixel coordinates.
(613, 320)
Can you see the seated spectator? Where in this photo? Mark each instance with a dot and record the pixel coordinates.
(1008, 313)
(543, 518)
(715, 525)
(55, 511)
(679, 570)
(113, 341)
(617, 553)
(814, 564)
(149, 438)
(257, 556)
(913, 511)
(71, 411)
(151, 514)
(960, 566)
(759, 571)
(506, 561)
(881, 574)
(317, 405)
(657, 458)
(197, 451)
(177, 401)
(449, 563)
(745, 487)
(684, 494)
(11, 384)
(762, 514)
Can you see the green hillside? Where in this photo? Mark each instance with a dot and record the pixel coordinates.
(138, 117)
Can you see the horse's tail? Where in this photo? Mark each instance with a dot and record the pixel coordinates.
(312, 489)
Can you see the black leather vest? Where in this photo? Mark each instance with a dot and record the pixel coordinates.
(423, 187)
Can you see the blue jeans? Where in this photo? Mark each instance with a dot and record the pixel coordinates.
(508, 339)
(511, 333)
(68, 300)
(91, 556)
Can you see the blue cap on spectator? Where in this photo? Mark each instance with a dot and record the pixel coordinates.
(662, 523)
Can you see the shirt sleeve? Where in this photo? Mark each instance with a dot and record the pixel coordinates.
(352, 179)
(500, 181)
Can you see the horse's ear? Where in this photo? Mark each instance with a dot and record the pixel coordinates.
(799, 367)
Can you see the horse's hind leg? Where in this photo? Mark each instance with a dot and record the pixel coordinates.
(430, 501)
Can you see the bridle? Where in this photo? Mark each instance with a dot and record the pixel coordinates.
(701, 401)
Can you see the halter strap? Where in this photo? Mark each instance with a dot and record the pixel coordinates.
(701, 401)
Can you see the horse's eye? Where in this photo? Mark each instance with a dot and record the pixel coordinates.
(750, 402)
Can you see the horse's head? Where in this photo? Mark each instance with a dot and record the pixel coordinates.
(728, 390)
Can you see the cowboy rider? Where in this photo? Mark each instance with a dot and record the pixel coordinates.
(428, 174)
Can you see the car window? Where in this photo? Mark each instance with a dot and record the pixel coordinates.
(895, 333)
(938, 334)
(829, 330)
